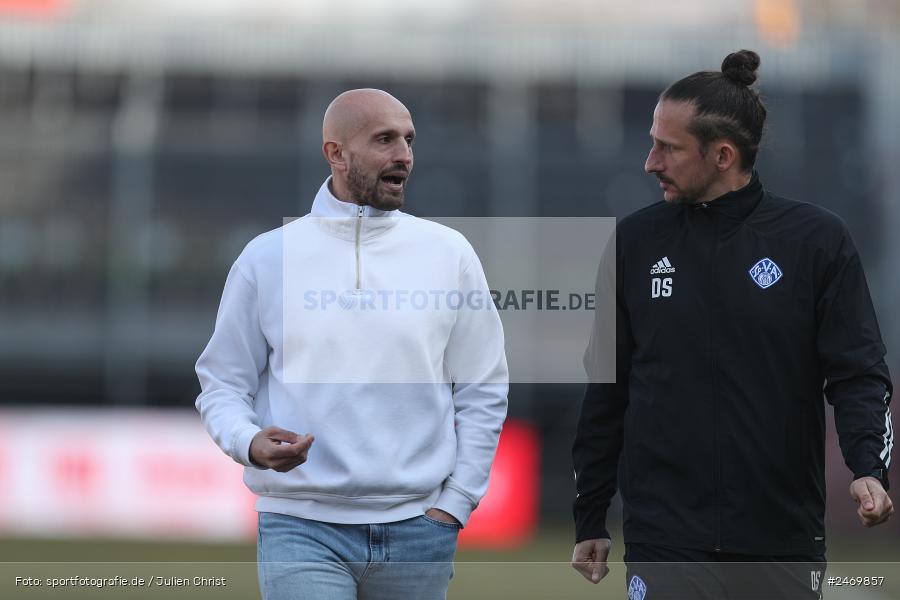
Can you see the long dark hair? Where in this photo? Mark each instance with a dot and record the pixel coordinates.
(726, 107)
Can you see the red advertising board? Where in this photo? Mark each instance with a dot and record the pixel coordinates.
(507, 515)
(157, 474)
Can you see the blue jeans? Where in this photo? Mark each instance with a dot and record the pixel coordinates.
(311, 560)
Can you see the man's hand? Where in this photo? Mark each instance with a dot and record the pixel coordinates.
(440, 515)
(589, 558)
(279, 449)
(874, 504)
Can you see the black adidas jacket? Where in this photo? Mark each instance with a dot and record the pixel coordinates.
(714, 432)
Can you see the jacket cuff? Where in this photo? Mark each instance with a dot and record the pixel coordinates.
(240, 449)
(879, 474)
(455, 503)
(590, 518)
(592, 534)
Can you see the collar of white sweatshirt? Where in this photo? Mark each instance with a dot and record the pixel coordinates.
(322, 330)
(340, 218)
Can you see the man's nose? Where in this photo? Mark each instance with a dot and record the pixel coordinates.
(652, 165)
(403, 154)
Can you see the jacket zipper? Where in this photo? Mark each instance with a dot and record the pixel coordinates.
(359, 218)
(713, 365)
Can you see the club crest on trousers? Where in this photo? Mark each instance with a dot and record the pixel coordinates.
(637, 589)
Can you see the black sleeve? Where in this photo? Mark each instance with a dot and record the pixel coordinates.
(857, 382)
(599, 436)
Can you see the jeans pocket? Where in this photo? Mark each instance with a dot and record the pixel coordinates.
(453, 526)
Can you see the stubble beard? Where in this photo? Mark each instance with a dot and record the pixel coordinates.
(686, 200)
(691, 196)
(365, 191)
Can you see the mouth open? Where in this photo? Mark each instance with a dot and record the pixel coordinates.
(394, 181)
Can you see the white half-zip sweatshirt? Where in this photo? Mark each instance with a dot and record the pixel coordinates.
(323, 328)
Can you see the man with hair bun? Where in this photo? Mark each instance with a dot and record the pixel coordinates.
(735, 310)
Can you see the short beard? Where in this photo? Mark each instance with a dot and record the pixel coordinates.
(686, 200)
(364, 190)
(690, 197)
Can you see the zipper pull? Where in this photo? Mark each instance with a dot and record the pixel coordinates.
(359, 218)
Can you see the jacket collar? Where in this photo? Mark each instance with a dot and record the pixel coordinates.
(737, 204)
(340, 218)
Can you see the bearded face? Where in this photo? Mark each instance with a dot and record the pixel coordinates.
(383, 190)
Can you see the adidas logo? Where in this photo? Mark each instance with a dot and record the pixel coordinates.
(662, 266)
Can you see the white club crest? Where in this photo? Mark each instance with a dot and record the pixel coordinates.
(637, 589)
(765, 273)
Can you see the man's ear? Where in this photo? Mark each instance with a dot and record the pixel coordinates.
(726, 155)
(334, 154)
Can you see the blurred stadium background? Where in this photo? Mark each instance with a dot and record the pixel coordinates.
(143, 144)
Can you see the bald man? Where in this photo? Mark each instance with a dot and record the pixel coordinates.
(357, 372)
(367, 140)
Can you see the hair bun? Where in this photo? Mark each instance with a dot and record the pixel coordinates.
(740, 67)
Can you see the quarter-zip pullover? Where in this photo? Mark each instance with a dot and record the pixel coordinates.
(318, 332)
(732, 318)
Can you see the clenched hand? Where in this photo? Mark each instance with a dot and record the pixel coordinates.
(589, 558)
(279, 449)
(874, 504)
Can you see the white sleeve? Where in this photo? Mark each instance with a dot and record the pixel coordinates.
(230, 367)
(476, 360)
